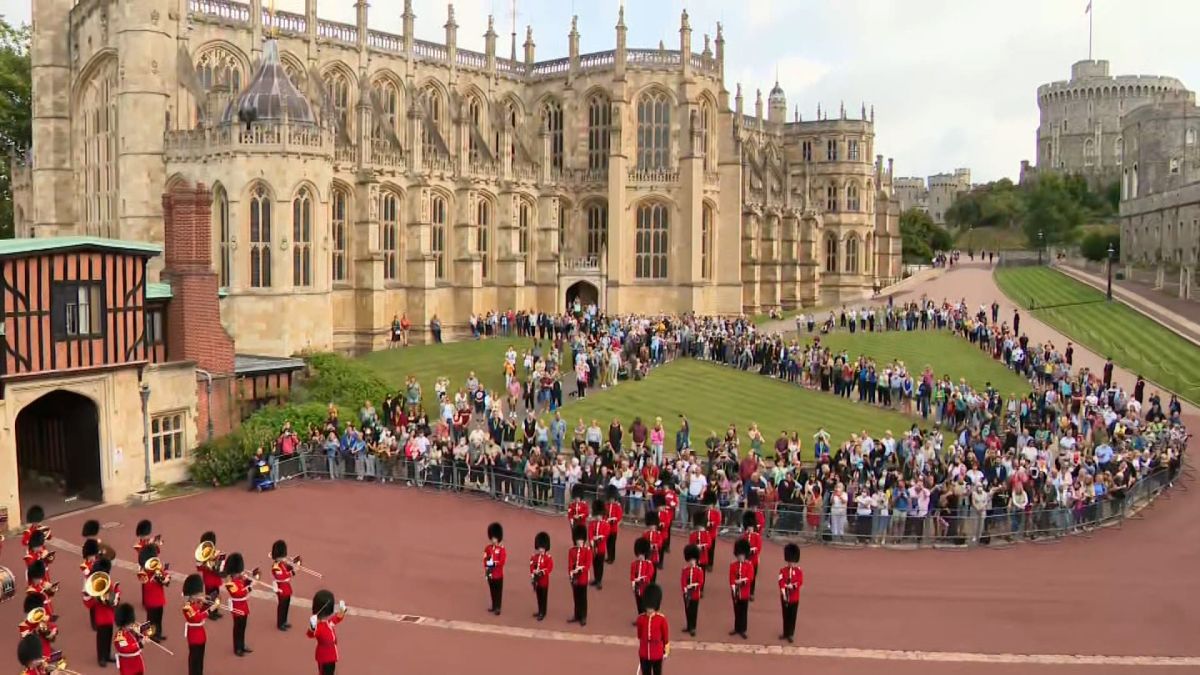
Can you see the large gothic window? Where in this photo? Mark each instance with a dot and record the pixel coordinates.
(389, 235)
(389, 102)
(96, 132)
(302, 226)
(853, 202)
(437, 216)
(338, 204)
(524, 216)
(339, 93)
(706, 242)
(707, 137)
(552, 118)
(220, 216)
(852, 254)
(1119, 150)
(434, 113)
(597, 228)
(654, 131)
(599, 127)
(475, 113)
(831, 253)
(220, 73)
(483, 235)
(1089, 152)
(651, 242)
(260, 238)
(831, 198)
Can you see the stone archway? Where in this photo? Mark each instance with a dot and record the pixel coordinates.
(58, 452)
(583, 291)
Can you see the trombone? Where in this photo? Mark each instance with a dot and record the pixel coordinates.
(57, 664)
(255, 577)
(146, 630)
(295, 562)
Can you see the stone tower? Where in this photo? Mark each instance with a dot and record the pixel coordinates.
(52, 210)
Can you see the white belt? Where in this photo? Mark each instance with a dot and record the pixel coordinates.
(194, 625)
(129, 656)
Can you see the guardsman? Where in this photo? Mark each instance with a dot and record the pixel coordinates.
(713, 519)
(613, 514)
(541, 564)
(39, 623)
(144, 531)
(579, 569)
(37, 553)
(238, 587)
(154, 578)
(654, 537)
(90, 552)
(39, 587)
(195, 613)
(577, 510)
(791, 578)
(641, 572)
(91, 531)
(669, 509)
(741, 576)
(210, 572)
(597, 531)
(691, 581)
(760, 519)
(103, 614)
(34, 517)
(322, 628)
(751, 536)
(666, 516)
(128, 641)
(701, 539)
(654, 634)
(494, 557)
(29, 653)
(282, 573)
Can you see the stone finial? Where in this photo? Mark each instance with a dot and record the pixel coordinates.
(621, 16)
(491, 31)
(683, 21)
(408, 10)
(720, 32)
(872, 113)
(528, 34)
(842, 109)
(661, 46)
(818, 110)
(796, 113)
(450, 23)
(864, 111)
(707, 45)
(575, 25)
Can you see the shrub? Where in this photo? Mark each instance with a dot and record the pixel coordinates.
(1095, 245)
(224, 461)
(336, 379)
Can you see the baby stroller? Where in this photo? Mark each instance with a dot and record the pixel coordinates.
(260, 478)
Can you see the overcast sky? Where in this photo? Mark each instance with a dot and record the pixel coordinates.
(953, 82)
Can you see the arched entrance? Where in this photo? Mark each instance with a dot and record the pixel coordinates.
(58, 452)
(585, 293)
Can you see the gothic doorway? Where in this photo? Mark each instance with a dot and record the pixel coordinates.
(580, 295)
(58, 452)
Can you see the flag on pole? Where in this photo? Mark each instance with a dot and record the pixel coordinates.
(1088, 10)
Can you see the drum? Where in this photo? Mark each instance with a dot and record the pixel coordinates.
(8, 584)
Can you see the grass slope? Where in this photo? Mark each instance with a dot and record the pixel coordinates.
(1109, 328)
(454, 360)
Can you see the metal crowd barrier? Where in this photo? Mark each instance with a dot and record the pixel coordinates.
(964, 527)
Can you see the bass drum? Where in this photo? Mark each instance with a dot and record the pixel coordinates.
(8, 584)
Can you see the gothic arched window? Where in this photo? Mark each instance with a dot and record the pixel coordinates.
(651, 241)
(260, 237)
(654, 131)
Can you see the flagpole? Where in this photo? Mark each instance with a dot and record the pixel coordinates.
(1091, 16)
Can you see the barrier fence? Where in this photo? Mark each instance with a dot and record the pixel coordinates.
(958, 527)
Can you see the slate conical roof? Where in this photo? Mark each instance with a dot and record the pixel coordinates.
(270, 95)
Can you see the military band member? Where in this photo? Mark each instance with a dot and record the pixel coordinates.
(760, 519)
(668, 510)
(210, 572)
(195, 613)
(579, 569)
(37, 553)
(282, 573)
(38, 623)
(154, 578)
(91, 532)
(38, 586)
(641, 572)
(613, 514)
(654, 634)
(741, 576)
(128, 641)
(29, 653)
(145, 531)
(102, 610)
(90, 553)
(654, 537)
(541, 564)
(713, 518)
(691, 581)
(751, 536)
(238, 587)
(34, 517)
(577, 510)
(597, 531)
(494, 557)
(701, 539)
(791, 578)
(322, 628)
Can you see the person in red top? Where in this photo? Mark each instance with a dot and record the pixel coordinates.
(713, 518)
(579, 569)
(650, 473)
(39, 587)
(322, 628)
(668, 510)
(577, 510)
(101, 608)
(128, 642)
(741, 576)
(238, 587)
(210, 572)
(654, 634)
(154, 578)
(597, 532)
(700, 538)
(29, 653)
(751, 536)
(613, 514)
(37, 553)
(791, 578)
(34, 516)
(641, 572)
(282, 572)
(144, 530)
(691, 582)
(541, 564)
(494, 557)
(654, 537)
(665, 517)
(195, 613)
(38, 622)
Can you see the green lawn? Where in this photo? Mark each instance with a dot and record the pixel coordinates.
(991, 239)
(948, 355)
(454, 360)
(1109, 328)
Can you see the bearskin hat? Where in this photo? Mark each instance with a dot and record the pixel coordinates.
(144, 528)
(741, 548)
(29, 650)
(279, 549)
(148, 551)
(791, 553)
(102, 565)
(652, 519)
(209, 537)
(37, 570)
(691, 553)
(91, 548)
(125, 614)
(579, 533)
(612, 493)
(652, 597)
(35, 515)
(641, 547)
(193, 585)
(37, 540)
(234, 564)
(33, 601)
(91, 528)
(577, 491)
(598, 507)
(496, 531)
(323, 603)
(542, 541)
(749, 521)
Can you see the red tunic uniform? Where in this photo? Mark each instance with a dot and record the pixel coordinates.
(656, 541)
(212, 580)
(497, 555)
(154, 594)
(578, 512)
(671, 498)
(641, 573)
(46, 636)
(755, 541)
(28, 533)
(540, 567)
(195, 613)
(281, 571)
(666, 516)
(239, 596)
(103, 611)
(702, 540)
(142, 542)
(691, 582)
(128, 646)
(615, 513)
(714, 523)
(598, 534)
(791, 578)
(654, 634)
(760, 520)
(743, 571)
(579, 565)
(34, 556)
(326, 637)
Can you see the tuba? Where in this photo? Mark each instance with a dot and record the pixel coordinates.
(206, 552)
(98, 585)
(159, 571)
(37, 616)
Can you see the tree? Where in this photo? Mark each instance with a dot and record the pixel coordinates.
(1054, 208)
(995, 204)
(16, 111)
(920, 237)
(1095, 245)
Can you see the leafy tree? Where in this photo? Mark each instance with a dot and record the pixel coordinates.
(920, 237)
(1095, 245)
(16, 112)
(1054, 207)
(995, 204)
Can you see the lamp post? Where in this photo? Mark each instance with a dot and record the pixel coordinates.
(1041, 238)
(144, 390)
(1111, 253)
